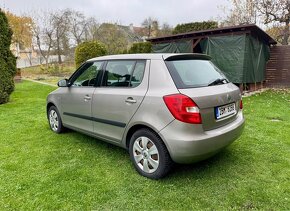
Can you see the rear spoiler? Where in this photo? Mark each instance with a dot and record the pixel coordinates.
(188, 56)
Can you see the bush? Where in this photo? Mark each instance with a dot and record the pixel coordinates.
(88, 50)
(7, 60)
(194, 26)
(141, 47)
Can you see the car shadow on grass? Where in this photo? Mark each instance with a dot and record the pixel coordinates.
(228, 162)
(225, 163)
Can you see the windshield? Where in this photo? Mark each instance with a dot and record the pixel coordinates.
(195, 73)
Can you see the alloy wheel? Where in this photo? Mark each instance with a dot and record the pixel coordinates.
(53, 120)
(146, 154)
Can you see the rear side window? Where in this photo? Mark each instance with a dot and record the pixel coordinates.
(194, 73)
(123, 73)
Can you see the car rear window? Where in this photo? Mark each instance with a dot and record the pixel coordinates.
(192, 73)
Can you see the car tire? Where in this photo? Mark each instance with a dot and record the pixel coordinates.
(54, 120)
(149, 154)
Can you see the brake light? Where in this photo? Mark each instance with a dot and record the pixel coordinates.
(183, 108)
(241, 104)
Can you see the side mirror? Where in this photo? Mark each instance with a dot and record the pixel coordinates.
(63, 83)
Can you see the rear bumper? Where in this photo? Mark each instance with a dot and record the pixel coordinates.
(189, 143)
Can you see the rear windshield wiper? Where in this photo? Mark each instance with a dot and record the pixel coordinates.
(218, 81)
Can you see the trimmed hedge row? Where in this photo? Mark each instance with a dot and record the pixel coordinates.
(195, 26)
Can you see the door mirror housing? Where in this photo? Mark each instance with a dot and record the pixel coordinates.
(63, 83)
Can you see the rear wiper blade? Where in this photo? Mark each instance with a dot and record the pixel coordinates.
(218, 81)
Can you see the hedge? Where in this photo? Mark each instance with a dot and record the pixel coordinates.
(88, 50)
(195, 26)
(141, 47)
(7, 60)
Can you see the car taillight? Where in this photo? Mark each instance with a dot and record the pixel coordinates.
(241, 104)
(183, 108)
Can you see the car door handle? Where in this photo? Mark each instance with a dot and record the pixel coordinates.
(87, 98)
(130, 100)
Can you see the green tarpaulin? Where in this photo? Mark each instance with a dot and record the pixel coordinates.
(182, 46)
(242, 58)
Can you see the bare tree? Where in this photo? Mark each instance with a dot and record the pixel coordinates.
(242, 12)
(61, 24)
(91, 29)
(43, 31)
(152, 26)
(78, 25)
(276, 11)
(165, 30)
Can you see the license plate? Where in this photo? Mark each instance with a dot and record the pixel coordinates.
(225, 110)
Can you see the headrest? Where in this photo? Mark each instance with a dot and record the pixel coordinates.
(120, 71)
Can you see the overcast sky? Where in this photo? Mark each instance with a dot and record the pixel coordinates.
(127, 11)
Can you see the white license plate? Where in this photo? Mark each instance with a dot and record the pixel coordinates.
(225, 110)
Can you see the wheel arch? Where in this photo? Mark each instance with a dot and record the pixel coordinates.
(136, 127)
(49, 104)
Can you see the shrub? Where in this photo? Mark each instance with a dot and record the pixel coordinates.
(141, 47)
(88, 50)
(194, 26)
(7, 60)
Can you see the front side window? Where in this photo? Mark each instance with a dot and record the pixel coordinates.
(89, 74)
(195, 73)
(123, 73)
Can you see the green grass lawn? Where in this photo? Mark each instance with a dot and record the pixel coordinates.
(40, 170)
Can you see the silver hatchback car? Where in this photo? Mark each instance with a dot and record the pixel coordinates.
(163, 108)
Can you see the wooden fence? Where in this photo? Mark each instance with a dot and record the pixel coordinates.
(278, 67)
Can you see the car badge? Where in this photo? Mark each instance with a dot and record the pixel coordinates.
(229, 98)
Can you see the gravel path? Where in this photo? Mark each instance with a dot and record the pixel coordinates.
(40, 82)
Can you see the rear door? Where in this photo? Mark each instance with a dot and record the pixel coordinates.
(123, 88)
(77, 100)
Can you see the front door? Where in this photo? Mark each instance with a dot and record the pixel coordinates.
(123, 88)
(77, 101)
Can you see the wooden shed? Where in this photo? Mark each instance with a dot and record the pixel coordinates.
(241, 52)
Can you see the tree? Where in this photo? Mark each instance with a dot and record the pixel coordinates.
(7, 60)
(194, 26)
(61, 24)
(276, 11)
(242, 12)
(22, 30)
(88, 50)
(276, 31)
(151, 26)
(91, 31)
(112, 37)
(165, 30)
(78, 25)
(43, 31)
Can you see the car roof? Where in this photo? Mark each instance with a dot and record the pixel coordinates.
(151, 56)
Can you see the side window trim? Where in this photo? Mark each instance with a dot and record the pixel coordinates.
(101, 82)
(131, 76)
